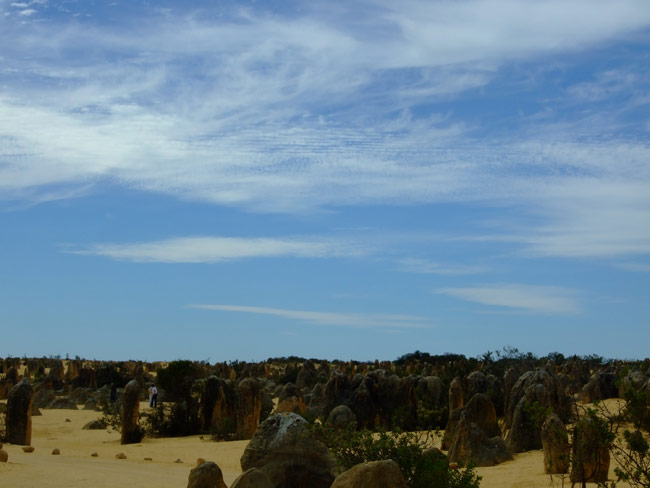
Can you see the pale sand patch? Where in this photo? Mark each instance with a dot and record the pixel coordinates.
(75, 468)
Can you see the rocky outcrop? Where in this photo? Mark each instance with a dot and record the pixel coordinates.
(284, 450)
(338, 390)
(471, 445)
(601, 385)
(291, 400)
(342, 417)
(62, 403)
(307, 376)
(206, 475)
(18, 417)
(97, 424)
(131, 432)
(455, 394)
(218, 407)
(375, 474)
(555, 443)
(532, 397)
(249, 408)
(252, 478)
(480, 411)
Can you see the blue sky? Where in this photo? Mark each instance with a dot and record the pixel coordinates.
(353, 180)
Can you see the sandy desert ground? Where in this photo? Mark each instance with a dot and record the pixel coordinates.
(76, 468)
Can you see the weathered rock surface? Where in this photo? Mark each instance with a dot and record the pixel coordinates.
(284, 450)
(97, 424)
(535, 393)
(249, 396)
(252, 478)
(601, 385)
(206, 475)
(18, 417)
(480, 411)
(62, 403)
(455, 394)
(555, 442)
(471, 445)
(376, 474)
(131, 432)
(218, 407)
(341, 417)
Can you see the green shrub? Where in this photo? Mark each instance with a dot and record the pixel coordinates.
(177, 379)
(421, 466)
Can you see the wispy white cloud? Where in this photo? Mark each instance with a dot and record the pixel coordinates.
(328, 318)
(292, 113)
(220, 249)
(525, 298)
(425, 266)
(635, 267)
(607, 83)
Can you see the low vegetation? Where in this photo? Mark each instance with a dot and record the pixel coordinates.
(421, 465)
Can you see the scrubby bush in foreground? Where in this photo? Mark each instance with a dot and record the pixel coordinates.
(422, 466)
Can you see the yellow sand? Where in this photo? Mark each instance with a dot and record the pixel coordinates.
(76, 468)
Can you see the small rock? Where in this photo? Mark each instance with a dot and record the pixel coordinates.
(56, 452)
(94, 454)
(120, 456)
(3, 456)
(206, 475)
(68, 420)
(178, 461)
(148, 459)
(97, 424)
(28, 448)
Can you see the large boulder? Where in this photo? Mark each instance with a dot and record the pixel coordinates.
(288, 454)
(291, 399)
(43, 397)
(62, 403)
(218, 407)
(18, 417)
(249, 408)
(635, 380)
(471, 446)
(375, 474)
(252, 478)
(80, 395)
(131, 433)
(429, 390)
(455, 394)
(307, 376)
(555, 443)
(337, 391)
(206, 475)
(601, 385)
(535, 394)
(342, 417)
(480, 411)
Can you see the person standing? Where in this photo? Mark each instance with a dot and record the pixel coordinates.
(153, 395)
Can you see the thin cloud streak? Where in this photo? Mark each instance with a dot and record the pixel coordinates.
(533, 299)
(425, 266)
(222, 249)
(356, 320)
(297, 113)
